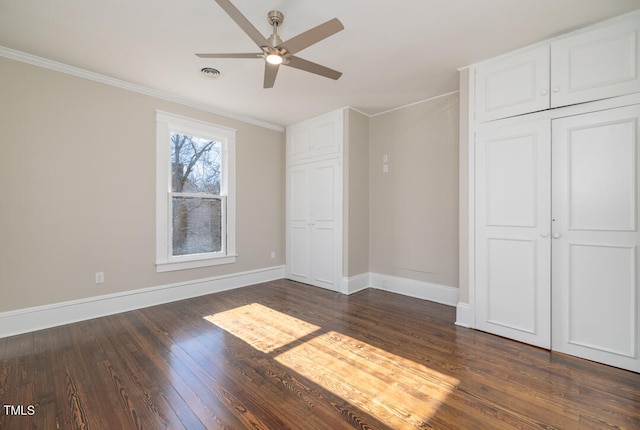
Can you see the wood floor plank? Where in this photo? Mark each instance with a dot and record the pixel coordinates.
(283, 355)
(43, 381)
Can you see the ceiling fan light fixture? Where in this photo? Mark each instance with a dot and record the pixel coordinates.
(274, 58)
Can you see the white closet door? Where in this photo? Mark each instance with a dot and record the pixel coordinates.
(596, 183)
(326, 210)
(299, 228)
(314, 232)
(512, 232)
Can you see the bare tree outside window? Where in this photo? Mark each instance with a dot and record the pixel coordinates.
(197, 206)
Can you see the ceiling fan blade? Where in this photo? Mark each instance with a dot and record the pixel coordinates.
(314, 35)
(229, 55)
(270, 73)
(243, 23)
(308, 66)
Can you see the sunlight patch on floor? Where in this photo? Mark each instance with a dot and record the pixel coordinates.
(397, 391)
(262, 327)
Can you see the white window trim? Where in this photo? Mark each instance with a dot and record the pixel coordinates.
(167, 123)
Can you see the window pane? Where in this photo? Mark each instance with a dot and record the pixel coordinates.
(195, 164)
(197, 225)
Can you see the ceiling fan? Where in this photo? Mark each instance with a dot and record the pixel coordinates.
(275, 52)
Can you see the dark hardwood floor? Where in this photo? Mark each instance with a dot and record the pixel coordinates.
(285, 355)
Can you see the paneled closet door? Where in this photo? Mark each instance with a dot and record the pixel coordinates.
(596, 240)
(313, 233)
(299, 219)
(512, 231)
(326, 209)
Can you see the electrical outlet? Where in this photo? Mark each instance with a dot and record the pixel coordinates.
(99, 277)
(273, 255)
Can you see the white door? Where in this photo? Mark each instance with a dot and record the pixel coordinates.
(314, 254)
(512, 232)
(596, 216)
(513, 84)
(601, 63)
(299, 224)
(325, 213)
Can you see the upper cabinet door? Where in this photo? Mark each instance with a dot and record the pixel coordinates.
(318, 137)
(513, 85)
(601, 63)
(299, 143)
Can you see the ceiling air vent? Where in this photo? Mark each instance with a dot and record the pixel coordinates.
(210, 72)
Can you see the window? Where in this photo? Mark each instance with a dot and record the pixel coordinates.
(195, 198)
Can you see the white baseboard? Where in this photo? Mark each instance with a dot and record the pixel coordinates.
(464, 317)
(418, 289)
(354, 284)
(41, 317)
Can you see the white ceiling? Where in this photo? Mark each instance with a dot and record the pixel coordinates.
(391, 53)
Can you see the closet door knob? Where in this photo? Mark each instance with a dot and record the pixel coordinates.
(556, 235)
(544, 92)
(545, 234)
(556, 90)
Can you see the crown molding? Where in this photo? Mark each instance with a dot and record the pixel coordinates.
(107, 80)
(368, 115)
(415, 103)
(373, 115)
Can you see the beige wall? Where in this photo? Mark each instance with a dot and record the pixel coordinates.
(414, 207)
(356, 196)
(77, 189)
(77, 180)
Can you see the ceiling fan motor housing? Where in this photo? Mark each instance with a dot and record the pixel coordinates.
(275, 17)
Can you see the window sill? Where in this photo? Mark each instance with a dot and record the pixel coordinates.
(195, 263)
